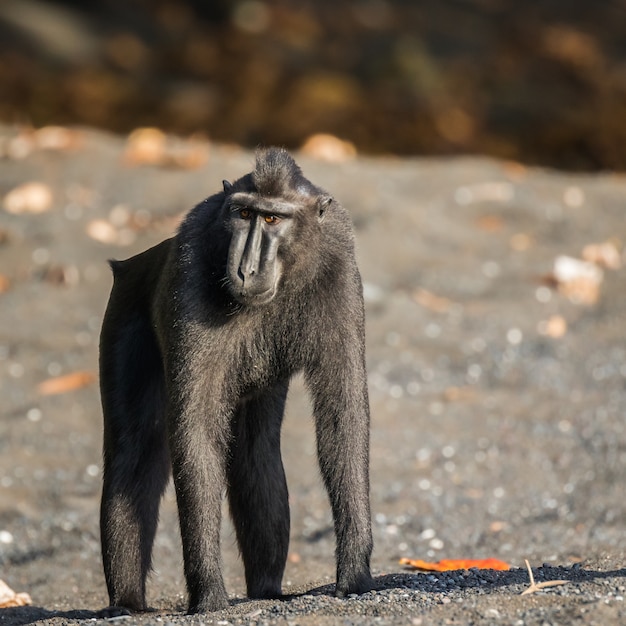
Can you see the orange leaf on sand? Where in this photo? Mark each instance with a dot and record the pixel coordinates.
(453, 564)
(61, 384)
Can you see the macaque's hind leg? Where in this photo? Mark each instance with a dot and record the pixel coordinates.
(257, 492)
(136, 460)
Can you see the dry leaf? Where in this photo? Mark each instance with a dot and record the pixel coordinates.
(151, 146)
(490, 223)
(5, 284)
(107, 233)
(329, 148)
(431, 301)
(520, 242)
(453, 564)
(145, 146)
(604, 254)
(62, 384)
(8, 597)
(102, 231)
(57, 138)
(28, 198)
(66, 275)
(555, 326)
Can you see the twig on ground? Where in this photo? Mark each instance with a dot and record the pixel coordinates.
(534, 587)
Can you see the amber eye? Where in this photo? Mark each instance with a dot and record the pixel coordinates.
(245, 214)
(271, 219)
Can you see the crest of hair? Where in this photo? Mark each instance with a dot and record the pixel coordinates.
(277, 174)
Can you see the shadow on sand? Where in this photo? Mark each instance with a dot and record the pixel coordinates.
(19, 616)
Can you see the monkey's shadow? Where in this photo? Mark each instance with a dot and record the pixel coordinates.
(489, 580)
(20, 616)
(30, 614)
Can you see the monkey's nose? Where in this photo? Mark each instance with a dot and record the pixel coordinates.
(247, 269)
(246, 273)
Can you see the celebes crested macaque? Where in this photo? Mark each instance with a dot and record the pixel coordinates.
(201, 336)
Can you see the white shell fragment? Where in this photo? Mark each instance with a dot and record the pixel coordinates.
(579, 280)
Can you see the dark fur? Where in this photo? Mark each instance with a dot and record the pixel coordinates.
(194, 377)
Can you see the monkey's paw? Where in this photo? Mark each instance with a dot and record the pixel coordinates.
(358, 584)
(208, 604)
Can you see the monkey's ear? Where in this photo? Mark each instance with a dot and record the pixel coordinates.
(227, 186)
(322, 204)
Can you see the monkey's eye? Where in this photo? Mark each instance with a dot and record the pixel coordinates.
(245, 214)
(271, 219)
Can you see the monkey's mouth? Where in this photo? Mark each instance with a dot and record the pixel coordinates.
(249, 297)
(253, 289)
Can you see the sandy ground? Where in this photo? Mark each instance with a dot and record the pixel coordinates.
(498, 396)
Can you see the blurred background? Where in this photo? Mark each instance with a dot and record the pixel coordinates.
(542, 81)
